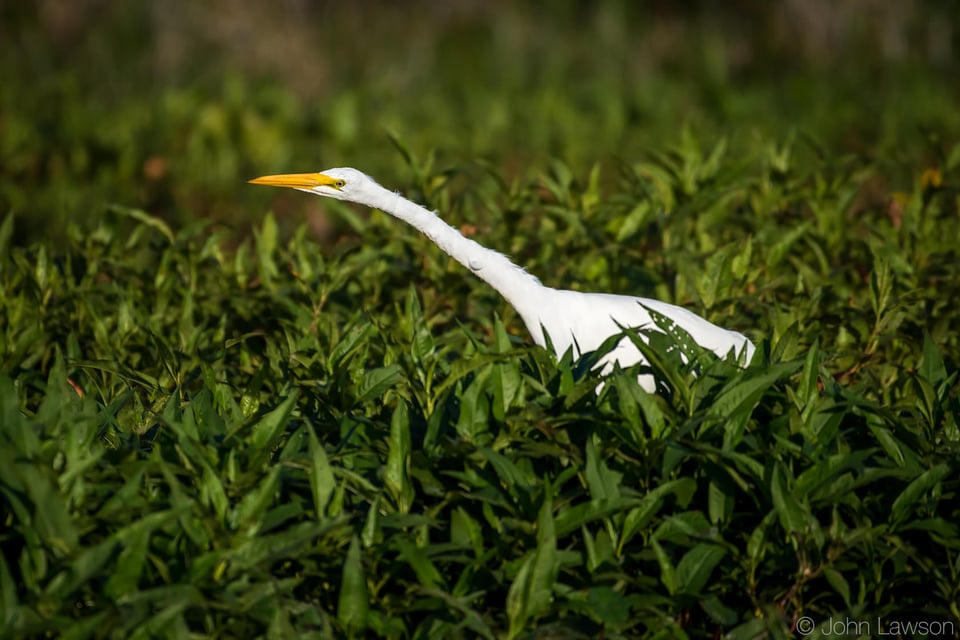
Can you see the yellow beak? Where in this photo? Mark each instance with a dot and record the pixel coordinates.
(297, 180)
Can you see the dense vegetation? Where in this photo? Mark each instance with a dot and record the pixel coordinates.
(330, 429)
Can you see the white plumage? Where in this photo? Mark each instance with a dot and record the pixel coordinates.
(572, 319)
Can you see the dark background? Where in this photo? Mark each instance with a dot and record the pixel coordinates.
(171, 106)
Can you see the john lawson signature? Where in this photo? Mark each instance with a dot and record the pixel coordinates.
(877, 627)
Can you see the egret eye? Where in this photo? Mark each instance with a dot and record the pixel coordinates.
(340, 184)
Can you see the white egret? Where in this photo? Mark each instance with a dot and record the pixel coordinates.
(581, 321)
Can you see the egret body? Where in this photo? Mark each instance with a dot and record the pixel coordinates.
(581, 321)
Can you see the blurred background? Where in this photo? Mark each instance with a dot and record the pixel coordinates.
(171, 106)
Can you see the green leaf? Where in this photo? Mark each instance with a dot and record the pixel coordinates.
(86, 564)
(512, 479)
(881, 286)
(808, 391)
(212, 492)
(720, 500)
(667, 571)
(419, 560)
(249, 513)
(531, 592)
(146, 219)
(666, 367)
(714, 283)
(789, 510)
(906, 503)
(824, 473)
(633, 222)
(376, 381)
(744, 392)
(422, 344)
(839, 584)
(824, 422)
(932, 367)
(641, 516)
(577, 516)
(266, 431)
(635, 402)
(718, 612)
(322, 481)
(16, 436)
(396, 477)
(87, 627)
(680, 526)
(505, 382)
(466, 531)
(602, 482)
(740, 264)
(696, 566)
(901, 454)
(787, 344)
(353, 602)
(6, 232)
(372, 533)
(355, 337)
(134, 540)
(474, 423)
(49, 516)
(266, 239)
(608, 606)
(781, 247)
(755, 628)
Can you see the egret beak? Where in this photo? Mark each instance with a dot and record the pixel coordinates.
(298, 180)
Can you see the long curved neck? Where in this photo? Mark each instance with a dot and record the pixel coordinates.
(510, 280)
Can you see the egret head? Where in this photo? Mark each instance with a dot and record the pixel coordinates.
(341, 183)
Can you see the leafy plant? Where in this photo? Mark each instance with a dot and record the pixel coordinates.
(270, 439)
(222, 420)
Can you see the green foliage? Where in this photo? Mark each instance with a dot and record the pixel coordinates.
(331, 430)
(167, 111)
(275, 439)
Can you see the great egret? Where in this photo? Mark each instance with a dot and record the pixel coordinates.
(581, 321)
